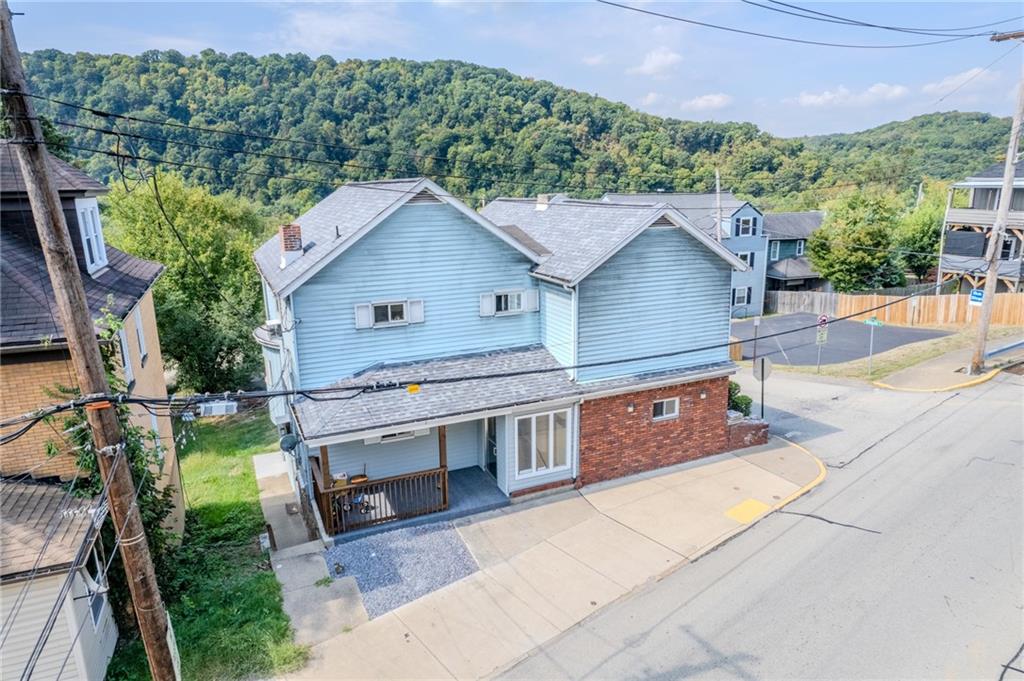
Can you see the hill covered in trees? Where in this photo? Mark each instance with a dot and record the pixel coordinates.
(479, 131)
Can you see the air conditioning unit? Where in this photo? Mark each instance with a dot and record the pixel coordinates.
(274, 327)
(218, 408)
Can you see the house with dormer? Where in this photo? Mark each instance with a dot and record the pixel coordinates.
(441, 356)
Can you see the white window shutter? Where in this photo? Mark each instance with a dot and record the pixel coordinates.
(364, 316)
(531, 300)
(486, 304)
(415, 311)
(126, 357)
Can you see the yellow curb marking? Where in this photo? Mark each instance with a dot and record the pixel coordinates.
(747, 511)
(822, 472)
(967, 384)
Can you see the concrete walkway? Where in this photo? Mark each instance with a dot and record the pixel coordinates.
(948, 372)
(545, 567)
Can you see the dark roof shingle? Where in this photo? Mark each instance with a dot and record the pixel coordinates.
(799, 225)
(69, 179)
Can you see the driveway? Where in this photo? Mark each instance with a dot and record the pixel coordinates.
(847, 340)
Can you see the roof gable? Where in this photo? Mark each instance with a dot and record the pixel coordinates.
(336, 223)
(67, 178)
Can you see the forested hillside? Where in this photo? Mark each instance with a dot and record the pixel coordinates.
(479, 131)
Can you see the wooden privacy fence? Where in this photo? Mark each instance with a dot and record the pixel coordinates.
(918, 311)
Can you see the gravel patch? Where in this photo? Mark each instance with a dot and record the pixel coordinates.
(393, 568)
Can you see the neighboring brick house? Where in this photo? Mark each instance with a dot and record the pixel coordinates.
(594, 335)
(34, 359)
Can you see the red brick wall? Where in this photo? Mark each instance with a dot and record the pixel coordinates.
(615, 442)
(747, 434)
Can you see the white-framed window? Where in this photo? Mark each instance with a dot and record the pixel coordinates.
(747, 258)
(126, 358)
(96, 584)
(92, 234)
(542, 443)
(140, 335)
(773, 251)
(388, 313)
(800, 247)
(502, 303)
(1008, 249)
(741, 295)
(663, 410)
(746, 226)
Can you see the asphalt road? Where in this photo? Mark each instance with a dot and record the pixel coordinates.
(847, 340)
(904, 564)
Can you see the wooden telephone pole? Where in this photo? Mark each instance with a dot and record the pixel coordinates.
(66, 279)
(995, 241)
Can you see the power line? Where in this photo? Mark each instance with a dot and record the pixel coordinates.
(347, 392)
(977, 73)
(770, 36)
(902, 29)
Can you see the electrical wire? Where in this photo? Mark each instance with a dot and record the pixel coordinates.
(902, 29)
(770, 36)
(974, 75)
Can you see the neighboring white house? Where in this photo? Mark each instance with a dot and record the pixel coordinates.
(43, 536)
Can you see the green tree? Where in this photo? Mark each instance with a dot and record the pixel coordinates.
(205, 308)
(920, 229)
(853, 247)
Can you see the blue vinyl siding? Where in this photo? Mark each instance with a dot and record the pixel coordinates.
(383, 460)
(663, 292)
(556, 322)
(754, 277)
(429, 252)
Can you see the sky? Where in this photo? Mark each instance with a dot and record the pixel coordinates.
(651, 63)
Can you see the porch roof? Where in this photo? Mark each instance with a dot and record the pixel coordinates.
(352, 411)
(331, 417)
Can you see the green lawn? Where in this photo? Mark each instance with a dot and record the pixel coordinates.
(225, 602)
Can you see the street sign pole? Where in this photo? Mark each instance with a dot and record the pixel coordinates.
(822, 337)
(762, 369)
(762, 388)
(871, 348)
(757, 325)
(818, 370)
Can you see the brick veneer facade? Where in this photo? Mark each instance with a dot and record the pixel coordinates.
(615, 441)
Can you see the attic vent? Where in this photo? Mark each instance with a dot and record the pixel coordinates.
(425, 197)
(662, 222)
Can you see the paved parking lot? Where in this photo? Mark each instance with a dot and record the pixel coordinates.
(847, 340)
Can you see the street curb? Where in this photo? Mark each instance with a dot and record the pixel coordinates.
(822, 474)
(949, 388)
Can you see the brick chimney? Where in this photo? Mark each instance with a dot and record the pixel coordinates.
(291, 243)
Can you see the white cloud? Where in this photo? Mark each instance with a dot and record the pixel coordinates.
(969, 78)
(843, 96)
(657, 63)
(594, 59)
(708, 102)
(344, 27)
(650, 98)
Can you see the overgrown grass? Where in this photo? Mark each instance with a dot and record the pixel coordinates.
(912, 354)
(225, 602)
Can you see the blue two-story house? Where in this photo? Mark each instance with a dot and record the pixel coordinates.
(443, 354)
(740, 228)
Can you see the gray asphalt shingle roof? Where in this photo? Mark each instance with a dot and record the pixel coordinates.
(356, 411)
(28, 301)
(69, 179)
(700, 209)
(995, 172)
(31, 512)
(328, 224)
(799, 225)
(577, 233)
(791, 268)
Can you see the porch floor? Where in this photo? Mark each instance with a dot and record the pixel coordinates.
(470, 490)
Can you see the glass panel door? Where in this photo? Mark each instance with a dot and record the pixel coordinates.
(491, 446)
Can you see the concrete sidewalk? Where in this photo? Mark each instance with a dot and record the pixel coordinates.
(547, 566)
(948, 372)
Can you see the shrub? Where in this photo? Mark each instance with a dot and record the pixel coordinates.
(737, 401)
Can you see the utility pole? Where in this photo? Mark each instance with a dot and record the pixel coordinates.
(66, 279)
(1002, 214)
(718, 206)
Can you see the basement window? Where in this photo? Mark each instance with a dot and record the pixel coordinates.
(663, 410)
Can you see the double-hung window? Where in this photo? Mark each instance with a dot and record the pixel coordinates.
(747, 258)
(92, 234)
(511, 302)
(1008, 249)
(542, 443)
(388, 313)
(96, 583)
(140, 335)
(663, 410)
(746, 226)
(773, 252)
(800, 247)
(741, 295)
(126, 359)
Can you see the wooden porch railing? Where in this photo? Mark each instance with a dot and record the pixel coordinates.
(346, 508)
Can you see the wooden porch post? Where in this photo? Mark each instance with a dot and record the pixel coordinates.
(442, 462)
(326, 509)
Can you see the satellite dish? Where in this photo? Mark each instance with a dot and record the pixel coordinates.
(288, 442)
